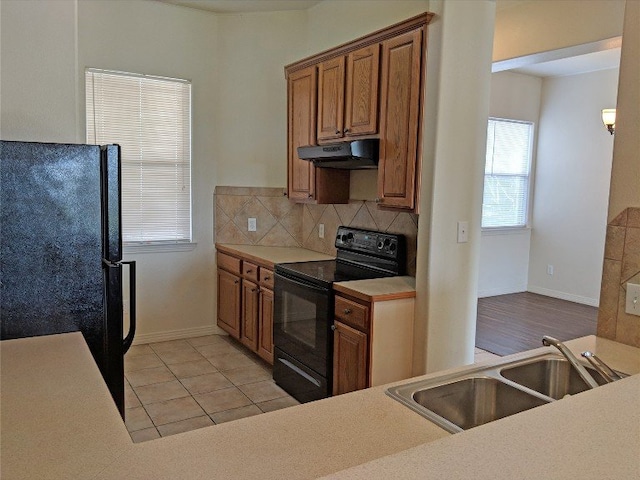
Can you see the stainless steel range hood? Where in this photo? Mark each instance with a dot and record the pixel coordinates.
(353, 155)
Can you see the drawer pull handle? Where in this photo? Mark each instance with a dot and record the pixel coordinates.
(333, 327)
(236, 281)
(249, 270)
(347, 311)
(267, 278)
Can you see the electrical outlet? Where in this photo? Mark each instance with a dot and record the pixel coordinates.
(550, 270)
(633, 299)
(463, 232)
(252, 225)
(321, 230)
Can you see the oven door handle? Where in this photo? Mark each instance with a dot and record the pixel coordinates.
(303, 284)
(300, 372)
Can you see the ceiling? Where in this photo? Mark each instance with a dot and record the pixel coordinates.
(590, 62)
(239, 6)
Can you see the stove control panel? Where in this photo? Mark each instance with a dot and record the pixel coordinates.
(382, 244)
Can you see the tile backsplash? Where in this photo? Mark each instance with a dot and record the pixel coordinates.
(621, 266)
(280, 222)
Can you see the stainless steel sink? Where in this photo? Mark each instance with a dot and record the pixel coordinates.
(475, 401)
(553, 377)
(482, 394)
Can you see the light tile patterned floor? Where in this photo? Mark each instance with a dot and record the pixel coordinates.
(181, 385)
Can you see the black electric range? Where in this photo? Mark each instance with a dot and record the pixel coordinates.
(303, 306)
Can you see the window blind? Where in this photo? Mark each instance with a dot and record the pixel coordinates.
(150, 118)
(506, 176)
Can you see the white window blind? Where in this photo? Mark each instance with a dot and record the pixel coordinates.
(506, 176)
(150, 118)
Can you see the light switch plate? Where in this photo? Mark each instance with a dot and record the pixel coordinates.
(252, 225)
(463, 232)
(633, 299)
(321, 230)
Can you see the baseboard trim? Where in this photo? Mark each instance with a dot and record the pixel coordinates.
(592, 302)
(494, 292)
(140, 339)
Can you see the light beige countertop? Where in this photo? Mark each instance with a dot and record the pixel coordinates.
(379, 289)
(273, 255)
(58, 421)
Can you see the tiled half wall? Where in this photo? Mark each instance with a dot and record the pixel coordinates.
(621, 266)
(281, 222)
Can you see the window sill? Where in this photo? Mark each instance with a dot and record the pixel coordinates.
(159, 247)
(488, 232)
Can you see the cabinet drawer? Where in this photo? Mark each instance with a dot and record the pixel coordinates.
(250, 271)
(352, 313)
(266, 278)
(228, 263)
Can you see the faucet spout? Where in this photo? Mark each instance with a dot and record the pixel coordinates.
(584, 374)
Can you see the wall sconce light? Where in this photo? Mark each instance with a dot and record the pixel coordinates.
(609, 119)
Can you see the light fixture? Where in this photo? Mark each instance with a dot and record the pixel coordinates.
(609, 119)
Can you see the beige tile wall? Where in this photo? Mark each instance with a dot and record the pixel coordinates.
(283, 223)
(621, 266)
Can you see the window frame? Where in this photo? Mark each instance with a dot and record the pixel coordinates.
(155, 245)
(506, 229)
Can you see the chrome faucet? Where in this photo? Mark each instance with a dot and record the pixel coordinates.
(584, 374)
(603, 369)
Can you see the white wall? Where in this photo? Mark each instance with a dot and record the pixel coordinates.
(176, 289)
(573, 169)
(504, 254)
(38, 66)
(457, 107)
(525, 27)
(45, 48)
(251, 110)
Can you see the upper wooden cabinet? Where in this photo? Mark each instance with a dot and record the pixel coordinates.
(359, 114)
(305, 183)
(331, 99)
(372, 87)
(400, 112)
(302, 86)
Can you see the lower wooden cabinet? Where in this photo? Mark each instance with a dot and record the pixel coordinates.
(265, 328)
(349, 359)
(372, 341)
(245, 303)
(229, 302)
(250, 314)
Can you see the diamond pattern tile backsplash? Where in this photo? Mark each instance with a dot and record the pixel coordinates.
(280, 222)
(621, 266)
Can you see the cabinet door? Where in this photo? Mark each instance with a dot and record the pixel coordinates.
(331, 99)
(249, 330)
(349, 359)
(361, 111)
(400, 119)
(265, 331)
(229, 303)
(301, 90)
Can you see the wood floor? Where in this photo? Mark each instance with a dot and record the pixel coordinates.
(513, 323)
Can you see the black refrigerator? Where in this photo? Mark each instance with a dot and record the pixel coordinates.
(61, 267)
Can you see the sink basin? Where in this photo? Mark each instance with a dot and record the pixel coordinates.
(553, 377)
(475, 401)
(465, 402)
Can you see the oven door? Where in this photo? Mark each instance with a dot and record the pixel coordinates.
(302, 322)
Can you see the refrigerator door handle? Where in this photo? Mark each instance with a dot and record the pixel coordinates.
(126, 343)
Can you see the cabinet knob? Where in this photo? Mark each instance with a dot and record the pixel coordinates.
(333, 327)
(337, 132)
(378, 200)
(254, 290)
(346, 311)
(346, 130)
(236, 281)
(310, 195)
(267, 277)
(249, 270)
